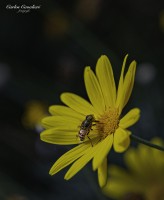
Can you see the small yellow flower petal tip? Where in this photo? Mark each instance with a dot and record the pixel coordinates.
(96, 125)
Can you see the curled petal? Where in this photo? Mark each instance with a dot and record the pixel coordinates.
(129, 82)
(120, 85)
(130, 118)
(121, 140)
(125, 85)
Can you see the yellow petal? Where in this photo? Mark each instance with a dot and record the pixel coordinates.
(68, 158)
(61, 122)
(157, 155)
(133, 161)
(105, 76)
(102, 173)
(65, 111)
(121, 140)
(121, 183)
(139, 159)
(93, 90)
(62, 137)
(130, 118)
(81, 162)
(102, 151)
(120, 85)
(77, 103)
(129, 82)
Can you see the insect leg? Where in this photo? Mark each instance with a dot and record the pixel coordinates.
(90, 140)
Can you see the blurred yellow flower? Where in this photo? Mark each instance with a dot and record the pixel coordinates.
(108, 129)
(34, 112)
(144, 176)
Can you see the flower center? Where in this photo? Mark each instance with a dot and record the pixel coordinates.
(108, 122)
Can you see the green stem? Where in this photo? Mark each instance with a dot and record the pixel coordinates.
(140, 140)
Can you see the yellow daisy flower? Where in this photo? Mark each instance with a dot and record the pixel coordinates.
(143, 178)
(107, 129)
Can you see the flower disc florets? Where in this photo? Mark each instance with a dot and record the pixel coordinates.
(108, 122)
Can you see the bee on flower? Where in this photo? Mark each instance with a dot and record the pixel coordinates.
(86, 127)
(109, 129)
